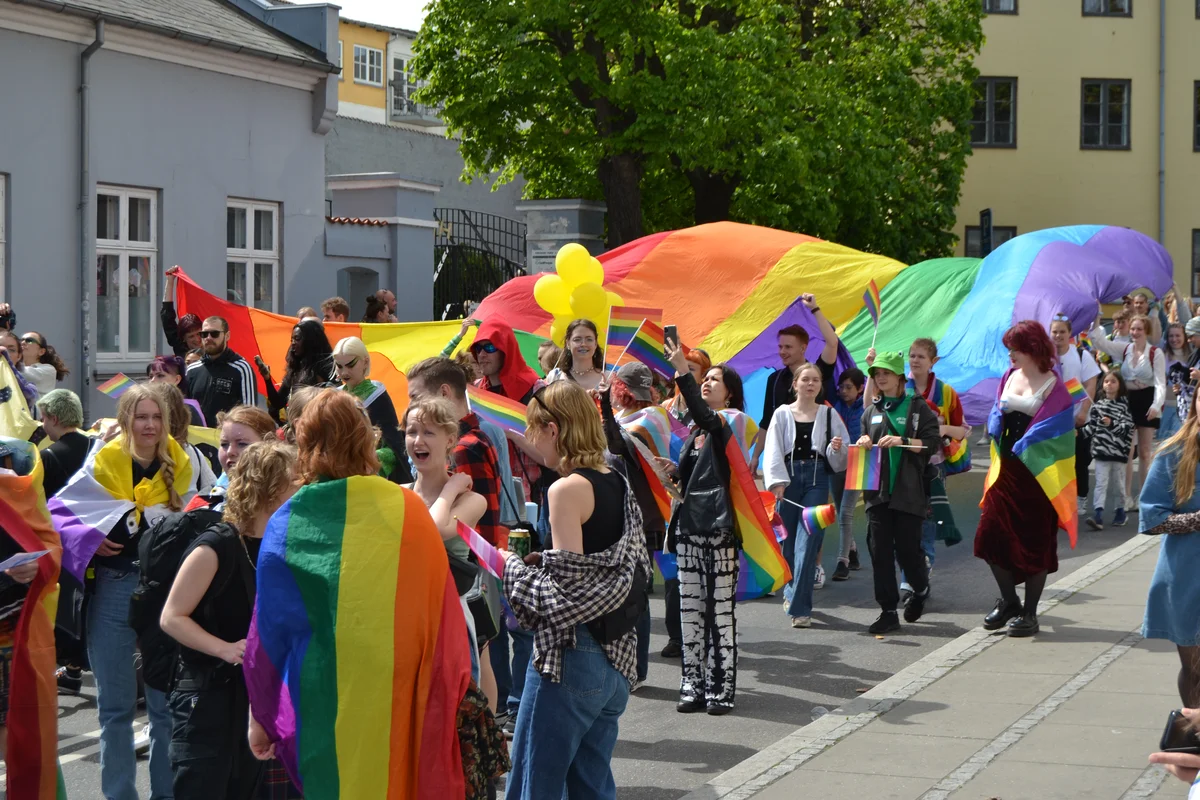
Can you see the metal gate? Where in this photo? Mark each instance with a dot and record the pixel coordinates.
(474, 254)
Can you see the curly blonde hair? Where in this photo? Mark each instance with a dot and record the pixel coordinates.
(126, 409)
(263, 473)
(568, 406)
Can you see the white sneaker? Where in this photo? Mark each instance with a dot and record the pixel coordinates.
(801, 622)
(820, 582)
(636, 685)
(141, 740)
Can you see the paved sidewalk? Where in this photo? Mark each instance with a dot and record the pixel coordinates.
(1071, 713)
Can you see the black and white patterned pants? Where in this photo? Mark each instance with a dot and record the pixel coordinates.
(708, 576)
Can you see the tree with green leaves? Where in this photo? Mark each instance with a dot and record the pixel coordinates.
(844, 119)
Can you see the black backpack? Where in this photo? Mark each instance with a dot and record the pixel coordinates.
(160, 552)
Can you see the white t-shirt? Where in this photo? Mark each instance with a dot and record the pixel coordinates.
(1082, 367)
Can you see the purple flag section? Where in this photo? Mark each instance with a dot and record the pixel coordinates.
(79, 540)
(763, 350)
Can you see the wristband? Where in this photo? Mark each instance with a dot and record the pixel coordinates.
(815, 309)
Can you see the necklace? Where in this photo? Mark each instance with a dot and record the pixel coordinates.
(581, 373)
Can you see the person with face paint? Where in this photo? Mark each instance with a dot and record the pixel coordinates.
(353, 365)
(582, 359)
(908, 431)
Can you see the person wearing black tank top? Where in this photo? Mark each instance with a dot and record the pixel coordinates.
(578, 681)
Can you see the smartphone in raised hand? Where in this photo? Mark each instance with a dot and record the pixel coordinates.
(671, 334)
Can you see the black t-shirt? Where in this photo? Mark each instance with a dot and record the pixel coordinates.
(780, 392)
(228, 604)
(122, 534)
(803, 450)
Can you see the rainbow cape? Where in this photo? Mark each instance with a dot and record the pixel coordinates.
(357, 656)
(654, 436)
(949, 408)
(762, 568)
(33, 769)
(1047, 449)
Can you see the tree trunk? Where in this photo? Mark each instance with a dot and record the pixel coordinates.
(713, 195)
(621, 177)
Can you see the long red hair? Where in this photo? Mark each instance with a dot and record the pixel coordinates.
(1029, 337)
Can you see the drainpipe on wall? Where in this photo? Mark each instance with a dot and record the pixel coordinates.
(87, 270)
(1162, 121)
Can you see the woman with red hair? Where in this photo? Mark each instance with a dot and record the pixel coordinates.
(698, 365)
(1018, 529)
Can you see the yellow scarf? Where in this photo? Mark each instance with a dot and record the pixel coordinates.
(114, 471)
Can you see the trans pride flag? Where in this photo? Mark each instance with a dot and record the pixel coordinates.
(357, 657)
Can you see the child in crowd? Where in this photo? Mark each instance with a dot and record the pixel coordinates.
(849, 407)
(954, 456)
(548, 355)
(1110, 425)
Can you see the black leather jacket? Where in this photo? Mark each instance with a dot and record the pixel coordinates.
(703, 470)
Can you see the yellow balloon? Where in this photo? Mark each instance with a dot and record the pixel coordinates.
(615, 299)
(558, 329)
(577, 266)
(552, 295)
(589, 301)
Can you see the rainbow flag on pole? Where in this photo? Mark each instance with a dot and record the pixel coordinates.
(116, 386)
(863, 468)
(647, 347)
(1076, 390)
(357, 656)
(623, 323)
(873, 301)
(503, 412)
(818, 518)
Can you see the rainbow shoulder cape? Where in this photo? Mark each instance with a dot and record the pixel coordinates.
(1047, 449)
(33, 770)
(357, 656)
(948, 406)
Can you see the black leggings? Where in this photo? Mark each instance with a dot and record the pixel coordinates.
(1083, 460)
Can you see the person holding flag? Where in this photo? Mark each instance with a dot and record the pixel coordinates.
(1075, 362)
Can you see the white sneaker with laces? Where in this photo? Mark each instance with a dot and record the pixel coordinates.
(820, 582)
(141, 740)
(801, 622)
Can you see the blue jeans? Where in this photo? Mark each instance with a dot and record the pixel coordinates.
(510, 674)
(809, 487)
(1170, 420)
(111, 644)
(566, 731)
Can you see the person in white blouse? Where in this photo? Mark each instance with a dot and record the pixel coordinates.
(43, 367)
(1144, 368)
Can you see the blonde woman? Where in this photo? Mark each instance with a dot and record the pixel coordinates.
(203, 478)
(208, 613)
(578, 680)
(353, 365)
(123, 488)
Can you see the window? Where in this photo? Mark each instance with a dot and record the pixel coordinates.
(402, 85)
(126, 272)
(252, 254)
(368, 65)
(1108, 8)
(1000, 235)
(1104, 120)
(994, 122)
(3, 236)
(1195, 262)
(1002, 6)
(341, 72)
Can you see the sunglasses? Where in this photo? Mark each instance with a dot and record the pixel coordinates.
(211, 334)
(31, 340)
(486, 347)
(1060, 318)
(538, 396)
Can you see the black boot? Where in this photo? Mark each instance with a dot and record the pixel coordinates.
(1023, 626)
(690, 705)
(1001, 614)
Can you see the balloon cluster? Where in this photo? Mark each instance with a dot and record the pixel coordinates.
(575, 292)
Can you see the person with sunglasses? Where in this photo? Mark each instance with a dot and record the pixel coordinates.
(353, 364)
(43, 366)
(221, 379)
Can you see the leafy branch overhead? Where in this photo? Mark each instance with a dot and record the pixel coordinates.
(844, 119)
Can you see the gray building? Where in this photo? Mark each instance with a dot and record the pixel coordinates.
(197, 139)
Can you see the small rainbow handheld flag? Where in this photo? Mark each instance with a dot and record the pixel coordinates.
(818, 518)
(863, 468)
(647, 347)
(116, 386)
(503, 412)
(623, 324)
(1076, 390)
(873, 302)
(489, 557)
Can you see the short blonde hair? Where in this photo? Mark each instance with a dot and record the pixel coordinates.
(261, 475)
(581, 441)
(353, 346)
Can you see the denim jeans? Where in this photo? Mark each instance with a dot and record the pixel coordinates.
(566, 731)
(809, 487)
(510, 670)
(110, 645)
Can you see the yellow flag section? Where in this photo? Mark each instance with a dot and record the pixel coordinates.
(15, 420)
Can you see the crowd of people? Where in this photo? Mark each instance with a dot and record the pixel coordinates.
(547, 657)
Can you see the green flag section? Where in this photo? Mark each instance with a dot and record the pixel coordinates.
(529, 344)
(919, 302)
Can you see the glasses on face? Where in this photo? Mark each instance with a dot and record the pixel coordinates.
(486, 347)
(211, 334)
(31, 340)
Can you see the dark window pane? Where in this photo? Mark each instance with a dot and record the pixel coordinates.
(978, 133)
(1116, 136)
(1002, 133)
(1091, 114)
(1091, 93)
(1091, 135)
(108, 216)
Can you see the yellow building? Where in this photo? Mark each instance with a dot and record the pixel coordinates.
(1067, 124)
(362, 54)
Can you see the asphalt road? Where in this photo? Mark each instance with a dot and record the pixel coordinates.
(783, 673)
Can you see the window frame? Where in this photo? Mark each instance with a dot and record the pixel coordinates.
(252, 256)
(1196, 108)
(342, 69)
(1127, 14)
(1015, 8)
(1195, 261)
(1011, 230)
(1105, 83)
(990, 82)
(124, 249)
(3, 236)
(368, 52)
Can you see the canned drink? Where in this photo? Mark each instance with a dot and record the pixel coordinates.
(518, 542)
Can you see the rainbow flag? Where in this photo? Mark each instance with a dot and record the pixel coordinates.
(863, 468)
(1076, 390)
(116, 386)
(33, 768)
(647, 347)
(503, 412)
(818, 518)
(489, 557)
(873, 301)
(357, 656)
(762, 568)
(623, 323)
(1047, 449)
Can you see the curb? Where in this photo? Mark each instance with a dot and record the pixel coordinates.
(772, 763)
